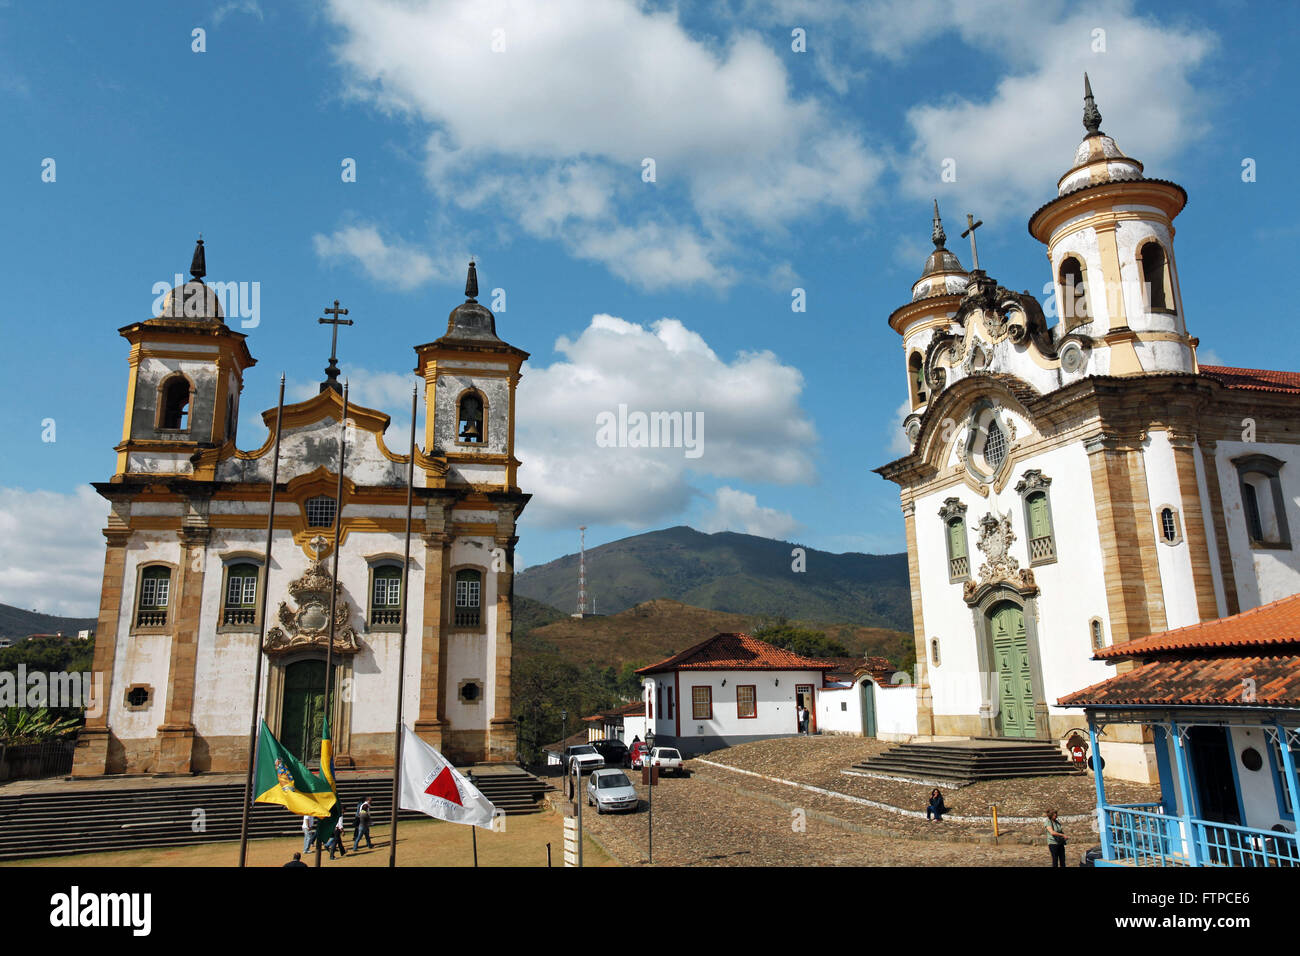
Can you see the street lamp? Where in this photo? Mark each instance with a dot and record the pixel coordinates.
(650, 778)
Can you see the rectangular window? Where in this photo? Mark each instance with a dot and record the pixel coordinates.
(958, 562)
(1282, 786)
(702, 703)
(746, 700)
(670, 703)
(153, 592)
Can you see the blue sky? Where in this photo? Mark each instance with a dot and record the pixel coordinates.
(774, 170)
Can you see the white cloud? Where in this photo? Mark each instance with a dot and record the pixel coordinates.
(749, 409)
(388, 261)
(740, 511)
(251, 7)
(53, 558)
(897, 438)
(613, 83)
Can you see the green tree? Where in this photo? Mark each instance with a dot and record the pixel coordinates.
(800, 640)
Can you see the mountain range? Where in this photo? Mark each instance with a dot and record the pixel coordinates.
(726, 571)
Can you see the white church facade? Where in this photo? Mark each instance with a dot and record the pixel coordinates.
(1077, 478)
(179, 625)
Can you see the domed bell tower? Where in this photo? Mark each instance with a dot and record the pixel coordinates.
(1110, 240)
(186, 373)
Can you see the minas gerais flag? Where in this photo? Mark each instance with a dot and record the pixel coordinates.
(281, 778)
(431, 785)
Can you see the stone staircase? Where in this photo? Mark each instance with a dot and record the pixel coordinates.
(962, 762)
(75, 820)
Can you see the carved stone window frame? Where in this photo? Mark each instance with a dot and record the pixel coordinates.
(375, 562)
(482, 442)
(982, 414)
(1072, 322)
(450, 613)
(1033, 482)
(1268, 467)
(1166, 277)
(1160, 525)
(173, 581)
(952, 511)
(1096, 628)
(229, 560)
(477, 682)
(160, 406)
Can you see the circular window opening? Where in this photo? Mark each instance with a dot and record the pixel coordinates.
(470, 693)
(1251, 759)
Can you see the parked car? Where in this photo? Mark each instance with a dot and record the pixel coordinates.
(636, 756)
(614, 752)
(668, 760)
(609, 789)
(585, 756)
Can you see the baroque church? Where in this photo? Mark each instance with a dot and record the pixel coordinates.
(1077, 478)
(179, 617)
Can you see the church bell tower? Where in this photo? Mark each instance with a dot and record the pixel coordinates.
(187, 370)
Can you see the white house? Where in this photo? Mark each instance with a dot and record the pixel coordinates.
(730, 689)
(860, 698)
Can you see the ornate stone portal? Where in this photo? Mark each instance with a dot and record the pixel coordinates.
(308, 625)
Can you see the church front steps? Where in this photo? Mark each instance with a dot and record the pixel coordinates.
(88, 821)
(959, 764)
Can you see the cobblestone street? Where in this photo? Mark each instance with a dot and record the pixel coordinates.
(710, 820)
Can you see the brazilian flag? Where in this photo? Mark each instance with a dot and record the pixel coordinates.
(281, 778)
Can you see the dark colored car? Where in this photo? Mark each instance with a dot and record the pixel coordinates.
(614, 751)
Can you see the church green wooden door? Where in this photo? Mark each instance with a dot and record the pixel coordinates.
(303, 718)
(1011, 664)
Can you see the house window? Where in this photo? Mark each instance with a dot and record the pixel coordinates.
(1259, 479)
(175, 403)
(241, 594)
(659, 697)
(702, 703)
(934, 651)
(155, 589)
(1097, 633)
(469, 419)
(385, 595)
(746, 700)
(1033, 489)
(321, 511)
(670, 704)
(469, 598)
(1155, 275)
(953, 515)
(1074, 295)
(649, 706)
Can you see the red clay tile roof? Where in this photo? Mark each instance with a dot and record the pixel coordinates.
(634, 709)
(1254, 379)
(847, 668)
(1269, 625)
(1221, 681)
(736, 652)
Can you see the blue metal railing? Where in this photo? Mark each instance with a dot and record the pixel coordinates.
(1143, 835)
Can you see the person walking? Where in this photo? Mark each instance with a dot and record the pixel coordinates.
(1056, 839)
(308, 833)
(803, 719)
(338, 841)
(361, 826)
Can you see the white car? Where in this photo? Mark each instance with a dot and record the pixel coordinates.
(609, 789)
(585, 756)
(667, 760)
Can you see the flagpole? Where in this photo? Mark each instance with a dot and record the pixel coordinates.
(473, 832)
(261, 633)
(334, 592)
(401, 653)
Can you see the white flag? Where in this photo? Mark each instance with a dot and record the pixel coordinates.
(431, 785)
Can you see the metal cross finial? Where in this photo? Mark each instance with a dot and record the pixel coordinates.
(332, 370)
(971, 226)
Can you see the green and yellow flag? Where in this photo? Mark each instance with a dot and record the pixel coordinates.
(281, 778)
(327, 775)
